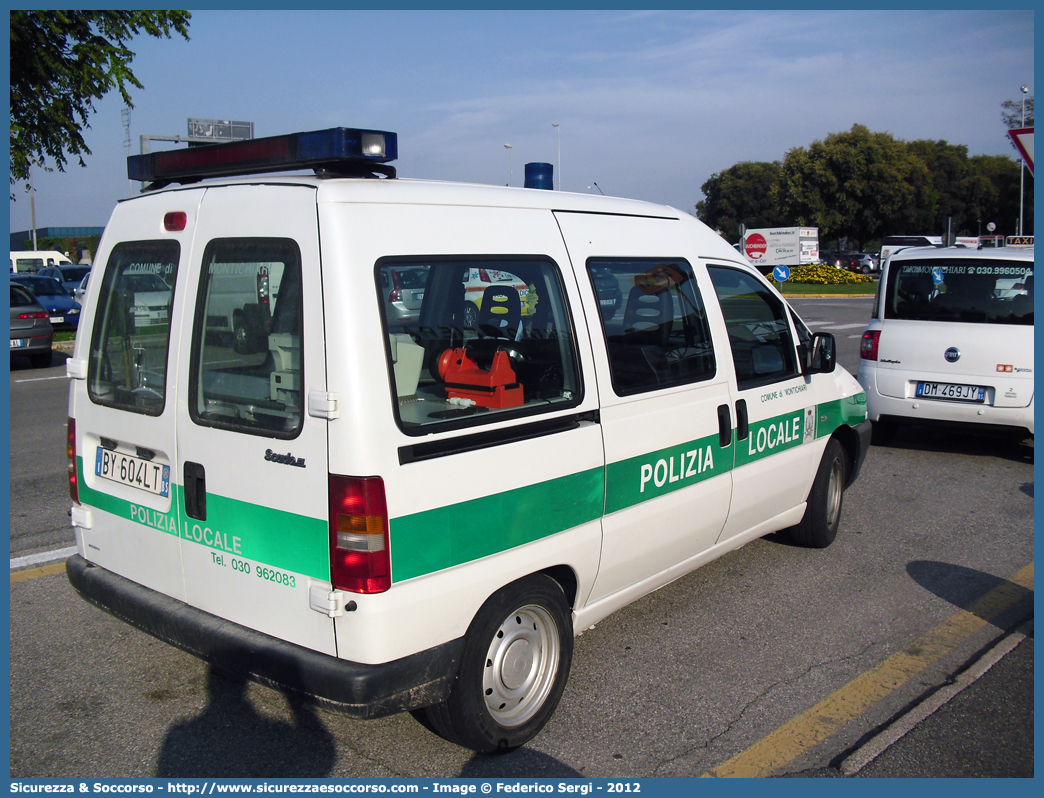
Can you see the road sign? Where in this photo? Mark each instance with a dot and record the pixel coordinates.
(756, 246)
(1023, 138)
(781, 273)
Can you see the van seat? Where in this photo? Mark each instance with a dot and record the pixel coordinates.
(407, 359)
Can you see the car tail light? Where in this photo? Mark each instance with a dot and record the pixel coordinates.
(359, 558)
(37, 315)
(484, 276)
(70, 451)
(868, 346)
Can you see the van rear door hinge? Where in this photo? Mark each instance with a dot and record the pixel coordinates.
(322, 598)
(323, 405)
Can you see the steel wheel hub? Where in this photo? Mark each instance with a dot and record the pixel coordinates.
(521, 664)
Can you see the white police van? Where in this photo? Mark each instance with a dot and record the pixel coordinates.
(388, 513)
(950, 341)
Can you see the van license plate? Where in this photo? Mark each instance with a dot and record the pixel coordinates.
(134, 471)
(948, 390)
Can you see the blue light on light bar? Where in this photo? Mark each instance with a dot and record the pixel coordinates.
(336, 149)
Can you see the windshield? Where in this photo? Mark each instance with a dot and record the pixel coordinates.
(961, 289)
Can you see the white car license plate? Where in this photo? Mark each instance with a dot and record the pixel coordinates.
(57, 319)
(134, 471)
(948, 390)
(17, 342)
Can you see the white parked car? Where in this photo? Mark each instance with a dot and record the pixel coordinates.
(951, 341)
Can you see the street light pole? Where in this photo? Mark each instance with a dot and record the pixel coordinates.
(558, 130)
(510, 164)
(32, 204)
(1022, 161)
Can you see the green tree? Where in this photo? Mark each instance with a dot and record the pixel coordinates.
(857, 184)
(61, 62)
(1011, 113)
(744, 193)
(1001, 206)
(948, 166)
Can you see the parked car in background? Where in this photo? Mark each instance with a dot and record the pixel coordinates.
(69, 276)
(63, 309)
(861, 262)
(31, 331)
(81, 290)
(830, 257)
(403, 292)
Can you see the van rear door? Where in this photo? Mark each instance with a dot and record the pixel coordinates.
(123, 395)
(253, 462)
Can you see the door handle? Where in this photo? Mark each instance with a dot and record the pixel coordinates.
(195, 491)
(742, 426)
(724, 426)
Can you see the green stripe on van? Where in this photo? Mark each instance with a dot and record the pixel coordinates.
(288, 541)
(848, 411)
(651, 475)
(458, 533)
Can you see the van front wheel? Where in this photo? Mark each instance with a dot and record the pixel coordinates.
(513, 671)
(818, 527)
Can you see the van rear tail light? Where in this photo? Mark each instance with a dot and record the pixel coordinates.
(360, 561)
(70, 451)
(868, 346)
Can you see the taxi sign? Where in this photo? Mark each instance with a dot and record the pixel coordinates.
(1020, 241)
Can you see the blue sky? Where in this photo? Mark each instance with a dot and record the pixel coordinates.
(650, 103)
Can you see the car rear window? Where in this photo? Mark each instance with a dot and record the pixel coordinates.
(128, 359)
(975, 291)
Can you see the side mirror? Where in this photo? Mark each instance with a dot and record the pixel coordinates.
(820, 354)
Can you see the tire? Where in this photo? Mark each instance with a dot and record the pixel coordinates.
(818, 527)
(470, 316)
(883, 432)
(517, 654)
(865, 269)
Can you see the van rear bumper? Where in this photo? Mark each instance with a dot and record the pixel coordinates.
(362, 691)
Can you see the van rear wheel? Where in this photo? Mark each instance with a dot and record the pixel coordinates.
(516, 660)
(818, 527)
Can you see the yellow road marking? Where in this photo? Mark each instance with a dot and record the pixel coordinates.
(845, 705)
(32, 573)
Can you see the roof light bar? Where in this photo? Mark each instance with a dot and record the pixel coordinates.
(339, 150)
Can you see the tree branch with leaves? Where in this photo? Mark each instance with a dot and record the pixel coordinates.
(61, 62)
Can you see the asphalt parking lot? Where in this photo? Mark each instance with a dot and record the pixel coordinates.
(771, 661)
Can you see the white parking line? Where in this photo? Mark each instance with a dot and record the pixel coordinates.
(43, 379)
(43, 556)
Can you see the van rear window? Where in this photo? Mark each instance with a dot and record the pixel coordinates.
(128, 359)
(960, 289)
(247, 372)
(476, 340)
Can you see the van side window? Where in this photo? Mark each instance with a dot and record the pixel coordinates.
(474, 340)
(127, 368)
(655, 327)
(246, 342)
(759, 335)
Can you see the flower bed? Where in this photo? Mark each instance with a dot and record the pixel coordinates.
(822, 274)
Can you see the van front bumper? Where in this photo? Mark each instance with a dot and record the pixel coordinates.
(362, 691)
